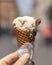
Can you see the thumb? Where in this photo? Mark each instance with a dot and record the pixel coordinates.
(23, 59)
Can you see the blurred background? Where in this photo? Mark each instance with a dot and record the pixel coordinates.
(9, 10)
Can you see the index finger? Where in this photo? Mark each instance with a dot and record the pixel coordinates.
(10, 59)
(23, 59)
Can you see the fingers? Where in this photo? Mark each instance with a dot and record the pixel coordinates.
(23, 59)
(10, 59)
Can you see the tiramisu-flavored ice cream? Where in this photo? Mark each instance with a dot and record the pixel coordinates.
(25, 29)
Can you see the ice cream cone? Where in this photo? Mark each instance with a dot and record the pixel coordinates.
(22, 37)
(25, 29)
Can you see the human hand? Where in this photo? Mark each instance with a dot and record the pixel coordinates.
(13, 59)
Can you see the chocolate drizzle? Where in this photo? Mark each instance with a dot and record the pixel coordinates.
(32, 34)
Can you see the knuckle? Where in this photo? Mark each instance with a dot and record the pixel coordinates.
(3, 63)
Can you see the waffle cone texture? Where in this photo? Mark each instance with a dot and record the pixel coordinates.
(22, 36)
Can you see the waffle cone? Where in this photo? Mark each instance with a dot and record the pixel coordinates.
(22, 36)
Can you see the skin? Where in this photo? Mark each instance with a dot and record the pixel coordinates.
(13, 59)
